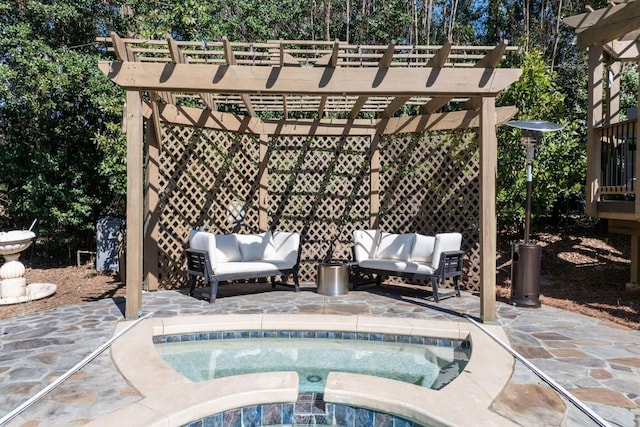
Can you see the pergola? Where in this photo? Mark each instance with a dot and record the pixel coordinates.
(302, 89)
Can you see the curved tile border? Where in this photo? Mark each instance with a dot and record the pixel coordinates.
(170, 399)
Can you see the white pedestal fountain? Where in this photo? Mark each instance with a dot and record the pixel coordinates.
(13, 285)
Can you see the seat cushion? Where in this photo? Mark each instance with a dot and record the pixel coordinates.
(227, 249)
(397, 266)
(255, 247)
(422, 250)
(251, 267)
(395, 246)
(287, 246)
(365, 243)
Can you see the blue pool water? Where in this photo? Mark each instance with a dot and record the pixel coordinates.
(427, 365)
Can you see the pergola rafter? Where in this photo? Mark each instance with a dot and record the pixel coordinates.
(306, 63)
(288, 88)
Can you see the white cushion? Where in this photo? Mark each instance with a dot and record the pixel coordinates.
(422, 250)
(397, 266)
(256, 246)
(365, 243)
(286, 246)
(227, 248)
(445, 242)
(395, 246)
(251, 267)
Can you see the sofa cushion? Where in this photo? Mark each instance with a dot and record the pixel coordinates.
(287, 246)
(256, 246)
(249, 267)
(365, 243)
(395, 246)
(397, 266)
(422, 250)
(227, 249)
(445, 242)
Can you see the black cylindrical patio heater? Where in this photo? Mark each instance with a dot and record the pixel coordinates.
(525, 256)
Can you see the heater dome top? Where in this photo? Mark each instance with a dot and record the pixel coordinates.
(535, 125)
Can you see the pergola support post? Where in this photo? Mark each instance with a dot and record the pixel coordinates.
(636, 172)
(488, 228)
(151, 221)
(374, 181)
(634, 278)
(263, 183)
(135, 204)
(594, 120)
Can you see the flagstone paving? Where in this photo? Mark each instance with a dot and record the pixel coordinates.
(598, 362)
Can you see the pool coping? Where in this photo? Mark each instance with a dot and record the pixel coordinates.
(169, 399)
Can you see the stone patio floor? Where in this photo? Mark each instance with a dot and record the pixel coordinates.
(598, 362)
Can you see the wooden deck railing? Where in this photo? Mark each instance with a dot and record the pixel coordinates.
(618, 159)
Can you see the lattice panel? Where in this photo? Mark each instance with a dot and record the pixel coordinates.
(206, 179)
(429, 185)
(320, 187)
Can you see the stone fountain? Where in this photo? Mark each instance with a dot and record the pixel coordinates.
(13, 285)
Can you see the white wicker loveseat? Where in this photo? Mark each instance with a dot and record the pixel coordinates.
(409, 255)
(220, 257)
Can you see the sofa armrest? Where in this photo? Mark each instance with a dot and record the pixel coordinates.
(198, 263)
(203, 241)
(450, 264)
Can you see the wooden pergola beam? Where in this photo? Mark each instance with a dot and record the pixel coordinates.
(394, 106)
(178, 57)
(322, 106)
(231, 60)
(228, 122)
(309, 80)
(357, 106)
(590, 18)
(489, 61)
(387, 56)
(383, 64)
(122, 51)
(454, 120)
(125, 53)
(613, 24)
(437, 61)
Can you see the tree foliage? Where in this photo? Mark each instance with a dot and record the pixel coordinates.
(560, 165)
(53, 104)
(63, 152)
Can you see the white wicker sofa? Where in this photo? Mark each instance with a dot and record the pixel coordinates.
(219, 257)
(410, 255)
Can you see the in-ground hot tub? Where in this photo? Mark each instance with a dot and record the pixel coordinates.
(424, 361)
(170, 398)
